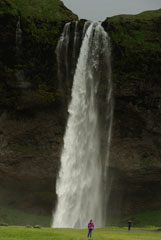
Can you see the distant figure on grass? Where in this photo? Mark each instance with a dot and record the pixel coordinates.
(129, 224)
(90, 228)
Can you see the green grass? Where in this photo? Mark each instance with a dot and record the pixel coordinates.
(22, 233)
(147, 15)
(137, 31)
(143, 219)
(146, 220)
(136, 45)
(47, 9)
(141, 231)
(19, 217)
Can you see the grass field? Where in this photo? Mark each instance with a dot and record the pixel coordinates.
(17, 217)
(22, 233)
(142, 219)
(20, 218)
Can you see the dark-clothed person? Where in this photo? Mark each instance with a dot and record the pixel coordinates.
(129, 225)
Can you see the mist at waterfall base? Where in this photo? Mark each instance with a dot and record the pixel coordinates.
(81, 184)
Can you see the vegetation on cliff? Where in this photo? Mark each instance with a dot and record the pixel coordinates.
(136, 66)
(136, 43)
(33, 60)
(44, 10)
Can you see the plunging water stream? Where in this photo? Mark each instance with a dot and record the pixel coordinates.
(19, 73)
(18, 34)
(80, 186)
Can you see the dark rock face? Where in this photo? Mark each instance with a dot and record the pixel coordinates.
(32, 119)
(32, 116)
(135, 154)
(35, 60)
(29, 159)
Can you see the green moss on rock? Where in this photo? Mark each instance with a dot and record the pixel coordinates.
(41, 23)
(45, 10)
(7, 7)
(136, 43)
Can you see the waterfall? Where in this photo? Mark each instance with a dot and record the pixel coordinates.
(67, 54)
(18, 33)
(75, 42)
(20, 75)
(81, 182)
(62, 50)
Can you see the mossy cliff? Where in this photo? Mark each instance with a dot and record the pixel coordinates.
(135, 154)
(41, 23)
(32, 116)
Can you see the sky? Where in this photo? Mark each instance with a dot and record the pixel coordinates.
(99, 10)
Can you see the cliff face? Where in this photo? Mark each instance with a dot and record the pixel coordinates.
(135, 154)
(32, 116)
(28, 62)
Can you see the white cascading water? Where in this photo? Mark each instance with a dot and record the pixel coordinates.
(18, 32)
(62, 49)
(66, 57)
(80, 190)
(20, 75)
(75, 41)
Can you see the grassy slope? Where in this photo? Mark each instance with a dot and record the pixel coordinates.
(41, 22)
(21, 233)
(51, 10)
(17, 217)
(147, 15)
(137, 31)
(144, 219)
(136, 46)
(136, 62)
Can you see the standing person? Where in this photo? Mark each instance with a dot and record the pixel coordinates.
(90, 228)
(129, 224)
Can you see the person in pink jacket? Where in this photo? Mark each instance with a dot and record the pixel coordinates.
(90, 228)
